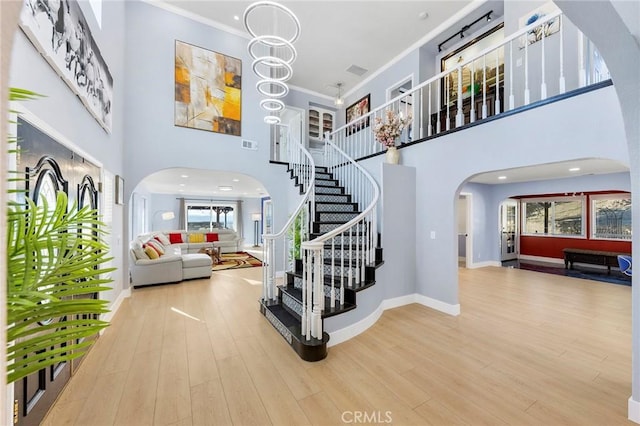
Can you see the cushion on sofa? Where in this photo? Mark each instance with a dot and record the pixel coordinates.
(196, 238)
(212, 237)
(151, 252)
(138, 252)
(175, 238)
(194, 260)
(157, 246)
(164, 240)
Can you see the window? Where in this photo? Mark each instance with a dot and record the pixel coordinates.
(554, 216)
(206, 217)
(611, 217)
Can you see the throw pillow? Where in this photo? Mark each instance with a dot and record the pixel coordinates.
(196, 238)
(163, 239)
(212, 237)
(151, 252)
(175, 238)
(139, 253)
(157, 246)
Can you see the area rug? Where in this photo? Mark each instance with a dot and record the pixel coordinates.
(237, 260)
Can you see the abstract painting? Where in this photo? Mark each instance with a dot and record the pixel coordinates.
(59, 31)
(208, 90)
(550, 27)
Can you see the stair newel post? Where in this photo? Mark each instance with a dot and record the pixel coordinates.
(306, 279)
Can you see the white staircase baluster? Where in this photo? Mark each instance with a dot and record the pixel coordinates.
(562, 84)
(527, 94)
(447, 125)
(472, 112)
(497, 100)
(511, 96)
(484, 87)
(459, 116)
(543, 84)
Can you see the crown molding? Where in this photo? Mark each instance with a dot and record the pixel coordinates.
(310, 92)
(194, 17)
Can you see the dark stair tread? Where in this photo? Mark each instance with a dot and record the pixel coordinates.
(328, 311)
(292, 323)
(351, 286)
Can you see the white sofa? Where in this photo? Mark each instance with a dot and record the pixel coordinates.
(180, 259)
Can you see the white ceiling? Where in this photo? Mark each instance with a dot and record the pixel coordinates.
(203, 183)
(334, 36)
(338, 34)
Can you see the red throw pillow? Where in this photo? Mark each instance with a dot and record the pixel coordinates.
(211, 237)
(175, 238)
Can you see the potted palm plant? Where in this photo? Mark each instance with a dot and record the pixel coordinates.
(54, 260)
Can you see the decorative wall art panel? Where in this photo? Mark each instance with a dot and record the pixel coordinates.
(550, 27)
(208, 90)
(59, 31)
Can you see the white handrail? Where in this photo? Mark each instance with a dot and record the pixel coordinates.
(361, 230)
(303, 167)
(442, 74)
(356, 138)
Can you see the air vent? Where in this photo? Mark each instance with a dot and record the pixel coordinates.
(249, 144)
(359, 71)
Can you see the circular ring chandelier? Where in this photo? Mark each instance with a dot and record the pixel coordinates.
(266, 87)
(274, 29)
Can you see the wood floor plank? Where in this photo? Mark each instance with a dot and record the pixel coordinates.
(208, 404)
(527, 349)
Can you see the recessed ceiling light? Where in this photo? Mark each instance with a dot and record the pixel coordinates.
(184, 176)
(502, 177)
(423, 15)
(235, 180)
(225, 188)
(182, 184)
(258, 189)
(180, 190)
(574, 169)
(236, 17)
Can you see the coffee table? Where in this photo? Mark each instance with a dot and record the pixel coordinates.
(213, 252)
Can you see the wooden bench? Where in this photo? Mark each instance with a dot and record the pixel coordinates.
(593, 257)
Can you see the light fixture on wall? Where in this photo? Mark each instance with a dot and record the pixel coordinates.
(339, 101)
(164, 215)
(256, 230)
(273, 28)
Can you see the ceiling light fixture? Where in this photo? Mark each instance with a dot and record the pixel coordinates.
(184, 176)
(574, 169)
(273, 28)
(225, 188)
(339, 101)
(502, 177)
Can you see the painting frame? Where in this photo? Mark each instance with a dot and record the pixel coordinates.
(63, 38)
(207, 90)
(549, 28)
(358, 109)
(119, 190)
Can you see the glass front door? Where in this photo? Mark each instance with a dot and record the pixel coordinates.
(509, 230)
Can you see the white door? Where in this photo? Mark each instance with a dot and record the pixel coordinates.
(509, 230)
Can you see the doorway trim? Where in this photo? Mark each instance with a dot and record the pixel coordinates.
(469, 225)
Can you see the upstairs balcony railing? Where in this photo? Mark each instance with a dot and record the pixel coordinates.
(541, 60)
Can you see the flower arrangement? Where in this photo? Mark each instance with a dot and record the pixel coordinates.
(389, 129)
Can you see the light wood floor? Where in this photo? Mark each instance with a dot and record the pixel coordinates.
(528, 349)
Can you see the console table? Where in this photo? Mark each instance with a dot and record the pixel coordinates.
(593, 257)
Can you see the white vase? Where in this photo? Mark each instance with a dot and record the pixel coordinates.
(393, 156)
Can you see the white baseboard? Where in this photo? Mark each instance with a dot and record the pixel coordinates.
(633, 412)
(353, 330)
(116, 304)
(438, 305)
(484, 264)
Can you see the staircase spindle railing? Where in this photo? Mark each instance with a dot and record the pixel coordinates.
(302, 168)
(356, 241)
(436, 105)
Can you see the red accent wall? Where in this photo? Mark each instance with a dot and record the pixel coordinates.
(548, 246)
(552, 246)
